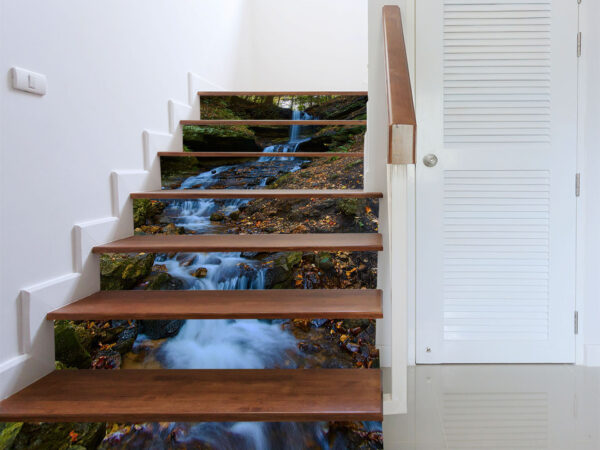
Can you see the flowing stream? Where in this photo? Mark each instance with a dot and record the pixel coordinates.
(213, 344)
(230, 344)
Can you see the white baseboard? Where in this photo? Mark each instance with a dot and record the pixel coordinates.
(592, 355)
(393, 406)
(385, 355)
(19, 372)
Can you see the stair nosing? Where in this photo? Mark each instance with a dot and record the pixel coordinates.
(212, 154)
(272, 243)
(255, 193)
(280, 93)
(274, 122)
(198, 395)
(224, 304)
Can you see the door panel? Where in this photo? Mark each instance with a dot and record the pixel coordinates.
(496, 101)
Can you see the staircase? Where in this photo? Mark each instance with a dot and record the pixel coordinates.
(262, 234)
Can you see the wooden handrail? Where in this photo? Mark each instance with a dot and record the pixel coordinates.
(401, 109)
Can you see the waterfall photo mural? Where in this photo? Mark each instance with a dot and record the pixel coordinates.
(253, 161)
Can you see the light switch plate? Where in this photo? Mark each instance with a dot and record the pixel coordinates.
(28, 81)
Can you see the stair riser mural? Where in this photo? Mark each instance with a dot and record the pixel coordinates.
(288, 343)
(216, 344)
(283, 107)
(282, 172)
(204, 436)
(248, 216)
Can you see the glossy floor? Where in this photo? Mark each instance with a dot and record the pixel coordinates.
(499, 407)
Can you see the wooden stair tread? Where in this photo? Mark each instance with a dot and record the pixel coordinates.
(256, 193)
(279, 93)
(242, 304)
(274, 122)
(261, 154)
(244, 242)
(198, 396)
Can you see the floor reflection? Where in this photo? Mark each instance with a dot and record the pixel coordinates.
(499, 407)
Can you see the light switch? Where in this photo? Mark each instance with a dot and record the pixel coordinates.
(28, 81)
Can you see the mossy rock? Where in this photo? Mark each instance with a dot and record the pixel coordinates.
(293, 259)
(281, 181)
(8, 434)
(217, 217)
(351, 206)
(162, 281)
(72, 343)
(145, 210)
(58, 436)
(124, 271)
(325, 261)
(281, 276)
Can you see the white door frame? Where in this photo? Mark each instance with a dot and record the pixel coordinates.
(411, 238)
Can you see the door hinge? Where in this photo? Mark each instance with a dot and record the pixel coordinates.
(576, 322)
(577, 184)
(579, 44)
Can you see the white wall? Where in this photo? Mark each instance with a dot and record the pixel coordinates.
(589, 164)
(111, 68)
(307, 45)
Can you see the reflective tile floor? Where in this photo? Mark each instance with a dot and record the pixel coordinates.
(499, 407)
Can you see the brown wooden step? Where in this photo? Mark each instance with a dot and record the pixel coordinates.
(242, 304)
(278, 93)
(275, 122)
(261, 154)
(255, 193)
(244, 242)
(198, 396)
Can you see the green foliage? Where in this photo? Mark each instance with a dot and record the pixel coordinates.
(170, 166)
(197, 132)
(298, 102)
(212, 108)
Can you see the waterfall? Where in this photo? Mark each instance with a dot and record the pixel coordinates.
(194, 215)
(204, 179)
(224, 271)
(293, 141)
(295, 129)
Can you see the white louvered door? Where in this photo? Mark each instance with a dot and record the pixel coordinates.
(496, 102)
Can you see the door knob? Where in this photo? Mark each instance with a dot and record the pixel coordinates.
(430, 160)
